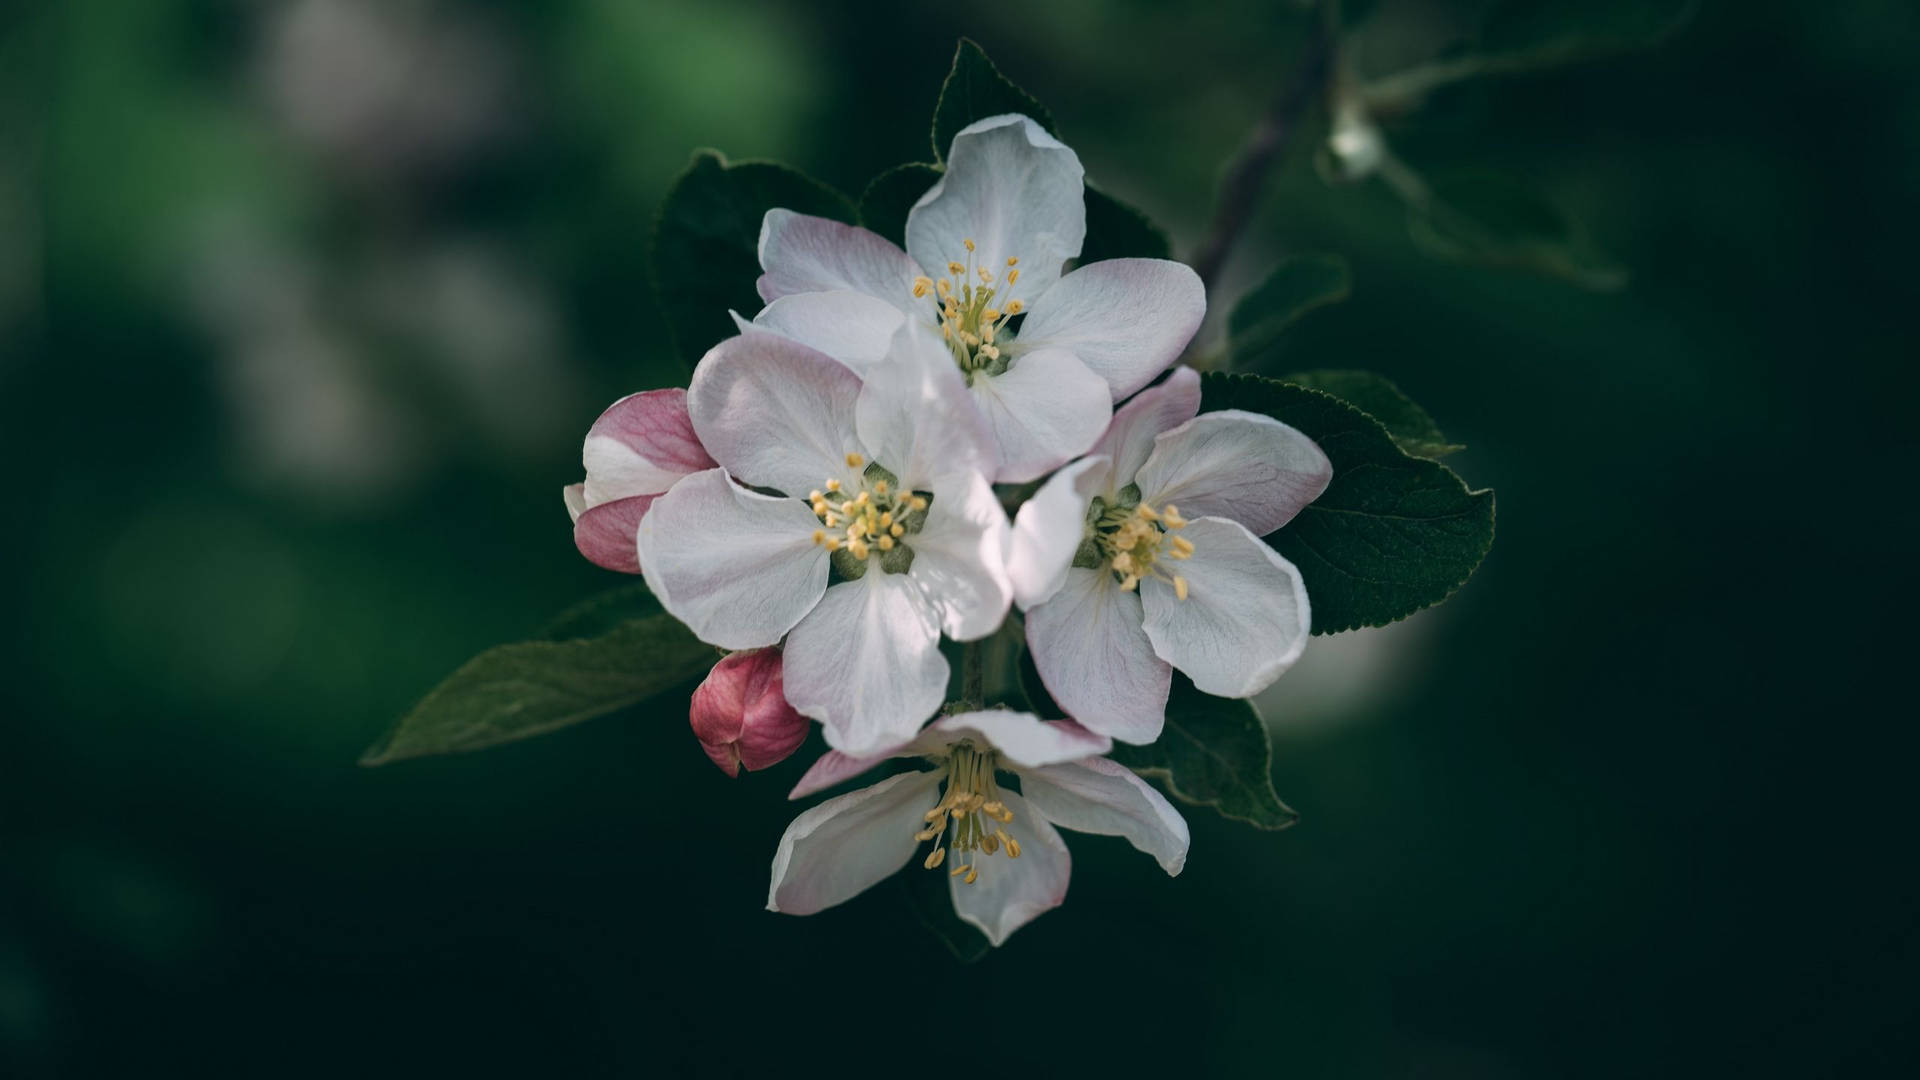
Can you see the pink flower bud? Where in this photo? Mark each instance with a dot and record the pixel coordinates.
(741, 716)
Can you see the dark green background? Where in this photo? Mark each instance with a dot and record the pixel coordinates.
(1637, 805)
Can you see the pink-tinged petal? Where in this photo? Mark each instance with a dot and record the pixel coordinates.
(1023, 739)
(833, 767)
(741, 716)
(866, 663)
(609, 534)
(851, 327)
(959, 558)
(1245, 617)
(640, 445)
(1009, 893)
(1236, 465)
(1095, 659)
(1016, 192)
(1102, 797)
(1126, 319)
(839, 849)
(738, 567)
(776, 413)
(1044, 410)
(576, 497)
(1049, 529)
(1129, 439)
(910, 415)
(804, 254)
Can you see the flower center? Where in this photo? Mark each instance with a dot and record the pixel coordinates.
(1132, 539)
(973, 808)
(873, 518)
(973, 308)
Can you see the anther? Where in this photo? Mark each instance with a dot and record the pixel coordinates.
(973, 875)
(963, 868)
(833, 485)
(819, 536)
(921, 286)
(1013, 848)
(1182, 545)
(955, 268)
(918, 502)
(1179, 586)
(886, 543)
(938, 856)
(1014, 307)
(855, 461)
(896, 529)
(880, 487)
(858, 548)
(1013, 276)
(1013, 261)
(969, 244)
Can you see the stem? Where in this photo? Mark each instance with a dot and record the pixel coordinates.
(973, 674)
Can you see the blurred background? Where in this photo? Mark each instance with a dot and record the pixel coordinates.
(306, 306)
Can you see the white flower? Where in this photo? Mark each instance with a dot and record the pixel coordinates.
(1146, 556)
(1004, 862)
(985, 245)
(881, 480)
(636, 450)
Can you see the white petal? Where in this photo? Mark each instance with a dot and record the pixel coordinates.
(866, 663)
(839, 849)
(1023, 739)
(851, 327)
(1009, 893)
(831, 768)
(803, 254)
(1126, 319)
(1244, 620)
(775, 413)
(912, 418)
(1044, 410)
(1049, 528)
(739, 568)
(1105, 798)
(576, 497)
(1129, 439)
(640, 445)
(959, 558)
(1236, 465)
(1016, 192)
(1096, 660)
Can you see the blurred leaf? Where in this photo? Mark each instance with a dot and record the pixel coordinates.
(928, 895)
(1391, 534)
(600, 614)
(706, 242)
(975, 90)
(1486, 219)
(1298, 285)
(884, 205)
(1412, 429)
(1118, 231)
(1214, 752)
(1544, 32)
(530, 688)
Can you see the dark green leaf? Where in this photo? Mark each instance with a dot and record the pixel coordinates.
(1118, 231)
(928, 895)
(706, 242)
(597, 615)
(1298, 285)
(1412, 429)
(1214, 752)
(884, 205)
(1391, 534)
(1491, 221)
(516, 691)
(975, 90)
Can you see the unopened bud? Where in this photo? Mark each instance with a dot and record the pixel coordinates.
(741, 716)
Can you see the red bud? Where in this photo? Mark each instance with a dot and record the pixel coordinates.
(741, 716)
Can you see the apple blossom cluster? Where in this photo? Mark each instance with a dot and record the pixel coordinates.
(955, 440)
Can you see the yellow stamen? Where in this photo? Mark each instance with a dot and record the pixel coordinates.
(921, 286)
(918, 503)
(969, 244)
(819, 536)
(939, 856)
(1013, 848)
(973, 875)
(879, 487)
(896, 530)
(1013, 261)
(1013, 276)
(1179, 586)
(833, 485)
(955, 268)
(854, 461)
(1014, 307)
(886, 543)
(963, 868)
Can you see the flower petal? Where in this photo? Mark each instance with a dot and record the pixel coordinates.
(576, 497)
(775, 413)
(803, 254)
(1245, 618)
(1236, 465)
(910, 417)
(739, 568)
(608, 534)
(640, 445)
(831, 768)
(1016, 192)
(1096, 661)
(1129, 438)
(1009, 893)
(851, 327)
(866, 663)
(1049, 529)
(1045, 409)
(839, 849)
(959, 558)
(1023, 739)
(1105, 798)
(1126, 319)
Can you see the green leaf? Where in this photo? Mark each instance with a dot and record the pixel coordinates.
(599, 614)
(1118, 231)
(1298, 285)
(975, 90)
(1214, 752)
(1391, 534)
(884, 205)
(529, 688)
(1486, 219)
(1412, 429)
(706, 242)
